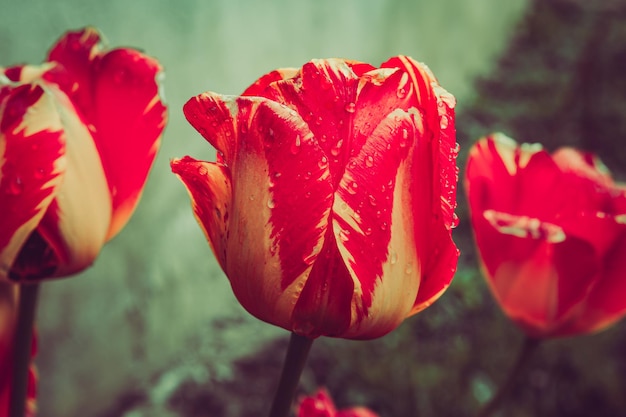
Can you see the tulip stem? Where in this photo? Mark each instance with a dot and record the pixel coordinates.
(27, 305)
(297, 353)
(529, 346)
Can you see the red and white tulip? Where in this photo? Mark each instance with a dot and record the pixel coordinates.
(331, 203)
(78, 135)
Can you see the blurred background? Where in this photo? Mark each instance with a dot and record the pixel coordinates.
(152, 329)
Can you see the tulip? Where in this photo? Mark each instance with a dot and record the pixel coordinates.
(8, 318)
(78, 136)
(331, 203)
(551, 232)
(321, 404)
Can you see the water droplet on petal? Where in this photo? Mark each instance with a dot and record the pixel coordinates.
(409, 268)
(323, 162)
(352, 187)
(295, 146)
(271, 203)
(344, 235)
(202, 170)
(368, 231)
(384, 226)
(401, 92)
(455, 220)
(372, 200)
(16, 186)
(443, 123)
(350, 107)
(393, 257)
(369, 161)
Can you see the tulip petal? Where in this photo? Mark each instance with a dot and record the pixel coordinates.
(129, 117)
(75, 55)
(605, 304)
(76, 223)
(324, 94)
(209, 188)
(32, 164)
(269, 151)
(370, 222)
(118, 94)
(259, 86)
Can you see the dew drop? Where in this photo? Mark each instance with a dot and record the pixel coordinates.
(350, 107)
(202, 170)
(16, 186)
(443, 123)
(368, 231)
(384, 226)
(39, 173)
(319, 120)
(352, 187)
(393, 258)
(271, 203)
(323, 162)
(401, 92)
(295, 146)
(455, 221)
(344, 235)
(409, 268)
(369, 161)
(372, 200)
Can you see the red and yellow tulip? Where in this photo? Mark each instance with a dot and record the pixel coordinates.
(551, 232)
(78, 136)
(331, 203)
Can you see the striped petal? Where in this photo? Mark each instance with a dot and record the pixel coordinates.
(371, 218)
(32, 164)
(324, 95)
(129, 118)
(275, 231)
(118, 95)
(77, 222)
(209, 188)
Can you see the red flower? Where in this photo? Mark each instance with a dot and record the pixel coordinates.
(8, 319)
(331, 201)
(78, 136)
(321, 405)
(551, 231)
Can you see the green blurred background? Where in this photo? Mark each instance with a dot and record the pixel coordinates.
(153, 329)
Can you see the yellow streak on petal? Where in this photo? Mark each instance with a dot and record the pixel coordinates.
(83, 198)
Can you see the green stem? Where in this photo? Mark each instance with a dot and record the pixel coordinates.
(27, 306)
(524, 355)
(297, 353)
